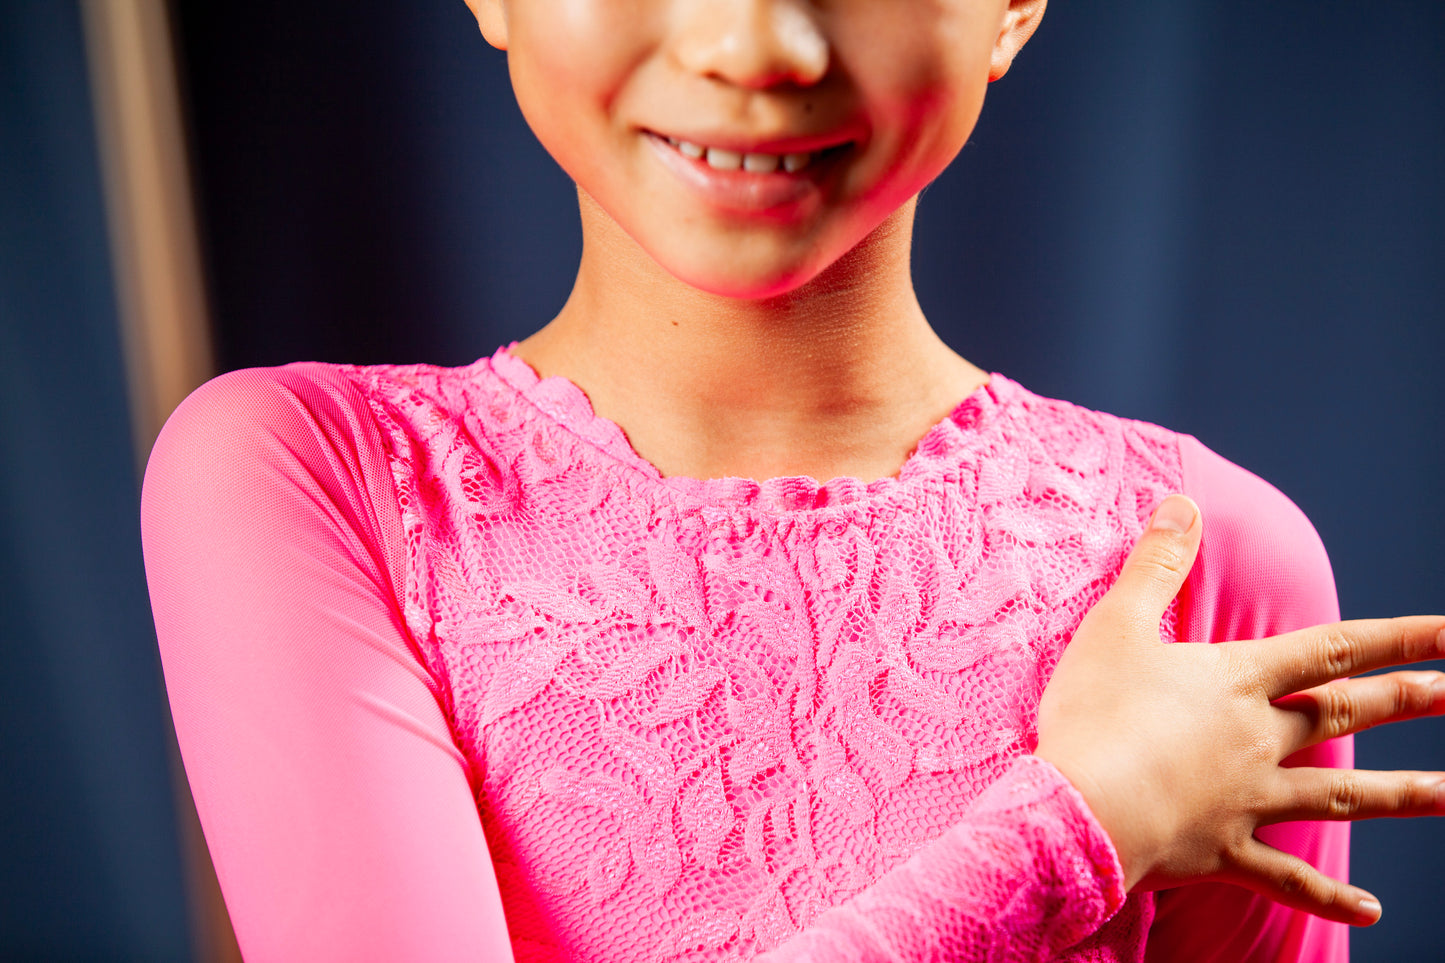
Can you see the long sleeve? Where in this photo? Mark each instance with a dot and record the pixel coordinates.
(1261, 571)
(336, 807)
(1028, 874)
(339, 812)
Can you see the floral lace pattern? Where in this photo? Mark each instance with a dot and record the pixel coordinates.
(700, 713)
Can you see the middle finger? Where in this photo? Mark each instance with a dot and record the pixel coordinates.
(1348, 794)
(1353, 705)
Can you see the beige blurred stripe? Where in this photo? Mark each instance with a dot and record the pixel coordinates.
(156, 256)
(165, 331)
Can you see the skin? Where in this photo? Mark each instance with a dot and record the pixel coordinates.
(783, 343)
(787, 340)
(1178, 748)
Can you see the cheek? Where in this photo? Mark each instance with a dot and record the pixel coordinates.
(568, 60)
(925, 89)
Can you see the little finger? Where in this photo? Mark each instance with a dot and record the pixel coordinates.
(1353, 705)
(1348, 794)
(1287, 879)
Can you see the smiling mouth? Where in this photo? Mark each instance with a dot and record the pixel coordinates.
(780, 185)
(752, 162)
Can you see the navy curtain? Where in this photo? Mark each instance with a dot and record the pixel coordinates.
(1225, 217)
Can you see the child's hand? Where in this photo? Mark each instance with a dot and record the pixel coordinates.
(1178, 748)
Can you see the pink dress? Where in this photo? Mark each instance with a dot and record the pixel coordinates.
(458, 676)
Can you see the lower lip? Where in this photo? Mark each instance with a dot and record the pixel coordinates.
(745, 191)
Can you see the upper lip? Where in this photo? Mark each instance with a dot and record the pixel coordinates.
(754, 144)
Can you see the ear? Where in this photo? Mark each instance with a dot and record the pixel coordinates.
(492, 18)
(1019, 22)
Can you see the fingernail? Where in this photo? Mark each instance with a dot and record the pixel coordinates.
(1370, 908)
(1440, 641)
(1440, 796)
(1176, 514)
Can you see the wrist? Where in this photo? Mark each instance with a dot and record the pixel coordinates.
(1122, 828)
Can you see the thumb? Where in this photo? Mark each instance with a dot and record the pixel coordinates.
(1155, 570)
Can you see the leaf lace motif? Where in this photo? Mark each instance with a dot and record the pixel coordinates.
(700, 720)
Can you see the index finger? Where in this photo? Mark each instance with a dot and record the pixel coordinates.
(1309, 657)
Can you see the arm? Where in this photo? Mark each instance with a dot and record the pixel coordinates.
(1261, 571)
(1028, 874)
(337, 809)
(1187, 755)
(341, 816)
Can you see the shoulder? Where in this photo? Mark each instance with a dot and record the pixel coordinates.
(254, 416)
(272, 445)
(1262, 568)
(1063, 425)
(266, 400)
(1131, 464)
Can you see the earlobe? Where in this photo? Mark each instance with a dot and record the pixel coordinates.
(1019, 22)
(492, 18)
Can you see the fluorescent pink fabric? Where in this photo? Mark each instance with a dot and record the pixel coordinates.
(458, 676)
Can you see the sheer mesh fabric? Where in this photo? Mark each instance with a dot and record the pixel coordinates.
(699, 719)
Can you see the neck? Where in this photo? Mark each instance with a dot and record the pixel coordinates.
(841, 376)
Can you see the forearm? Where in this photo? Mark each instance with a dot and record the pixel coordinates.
(1026, 875)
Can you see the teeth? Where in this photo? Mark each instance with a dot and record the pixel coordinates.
(761, 163)
(723, 160)
(796, 162)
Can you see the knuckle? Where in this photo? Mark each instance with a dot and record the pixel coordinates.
(1339, 713)
(1328, 894)
(1416, 794)
(1297, 880)
(1412, 695)
(1410, 645)
(1338, 654)
(1246, 676)
(1167, 557)
(1154, 576)
(1345, 796)
(1234, 854)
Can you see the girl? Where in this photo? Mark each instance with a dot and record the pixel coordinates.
(569, 654)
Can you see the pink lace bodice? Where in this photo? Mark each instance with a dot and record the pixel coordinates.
(699, 719)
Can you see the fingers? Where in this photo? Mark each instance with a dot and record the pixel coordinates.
(1160, 560)
(1292, 881)
(1354, 705)
(1311, 657)
(1348, 794)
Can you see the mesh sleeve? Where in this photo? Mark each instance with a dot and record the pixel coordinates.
(337, 809)
(1261, 571)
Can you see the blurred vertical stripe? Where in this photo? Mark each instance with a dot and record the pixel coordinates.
(160, 292)
(157, 262)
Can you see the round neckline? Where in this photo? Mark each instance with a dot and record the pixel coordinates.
(564, 403)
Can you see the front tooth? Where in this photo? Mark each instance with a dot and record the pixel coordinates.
(760, 163)
(690, 149)
(796, 162)
(724, 160)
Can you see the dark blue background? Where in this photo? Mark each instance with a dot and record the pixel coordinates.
(1224, 216)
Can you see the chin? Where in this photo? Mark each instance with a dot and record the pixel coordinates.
(742, 278)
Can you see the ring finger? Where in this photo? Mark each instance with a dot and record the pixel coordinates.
(1348, 794)
(1353, 705)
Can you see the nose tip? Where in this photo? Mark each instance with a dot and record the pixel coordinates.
(754, 43)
